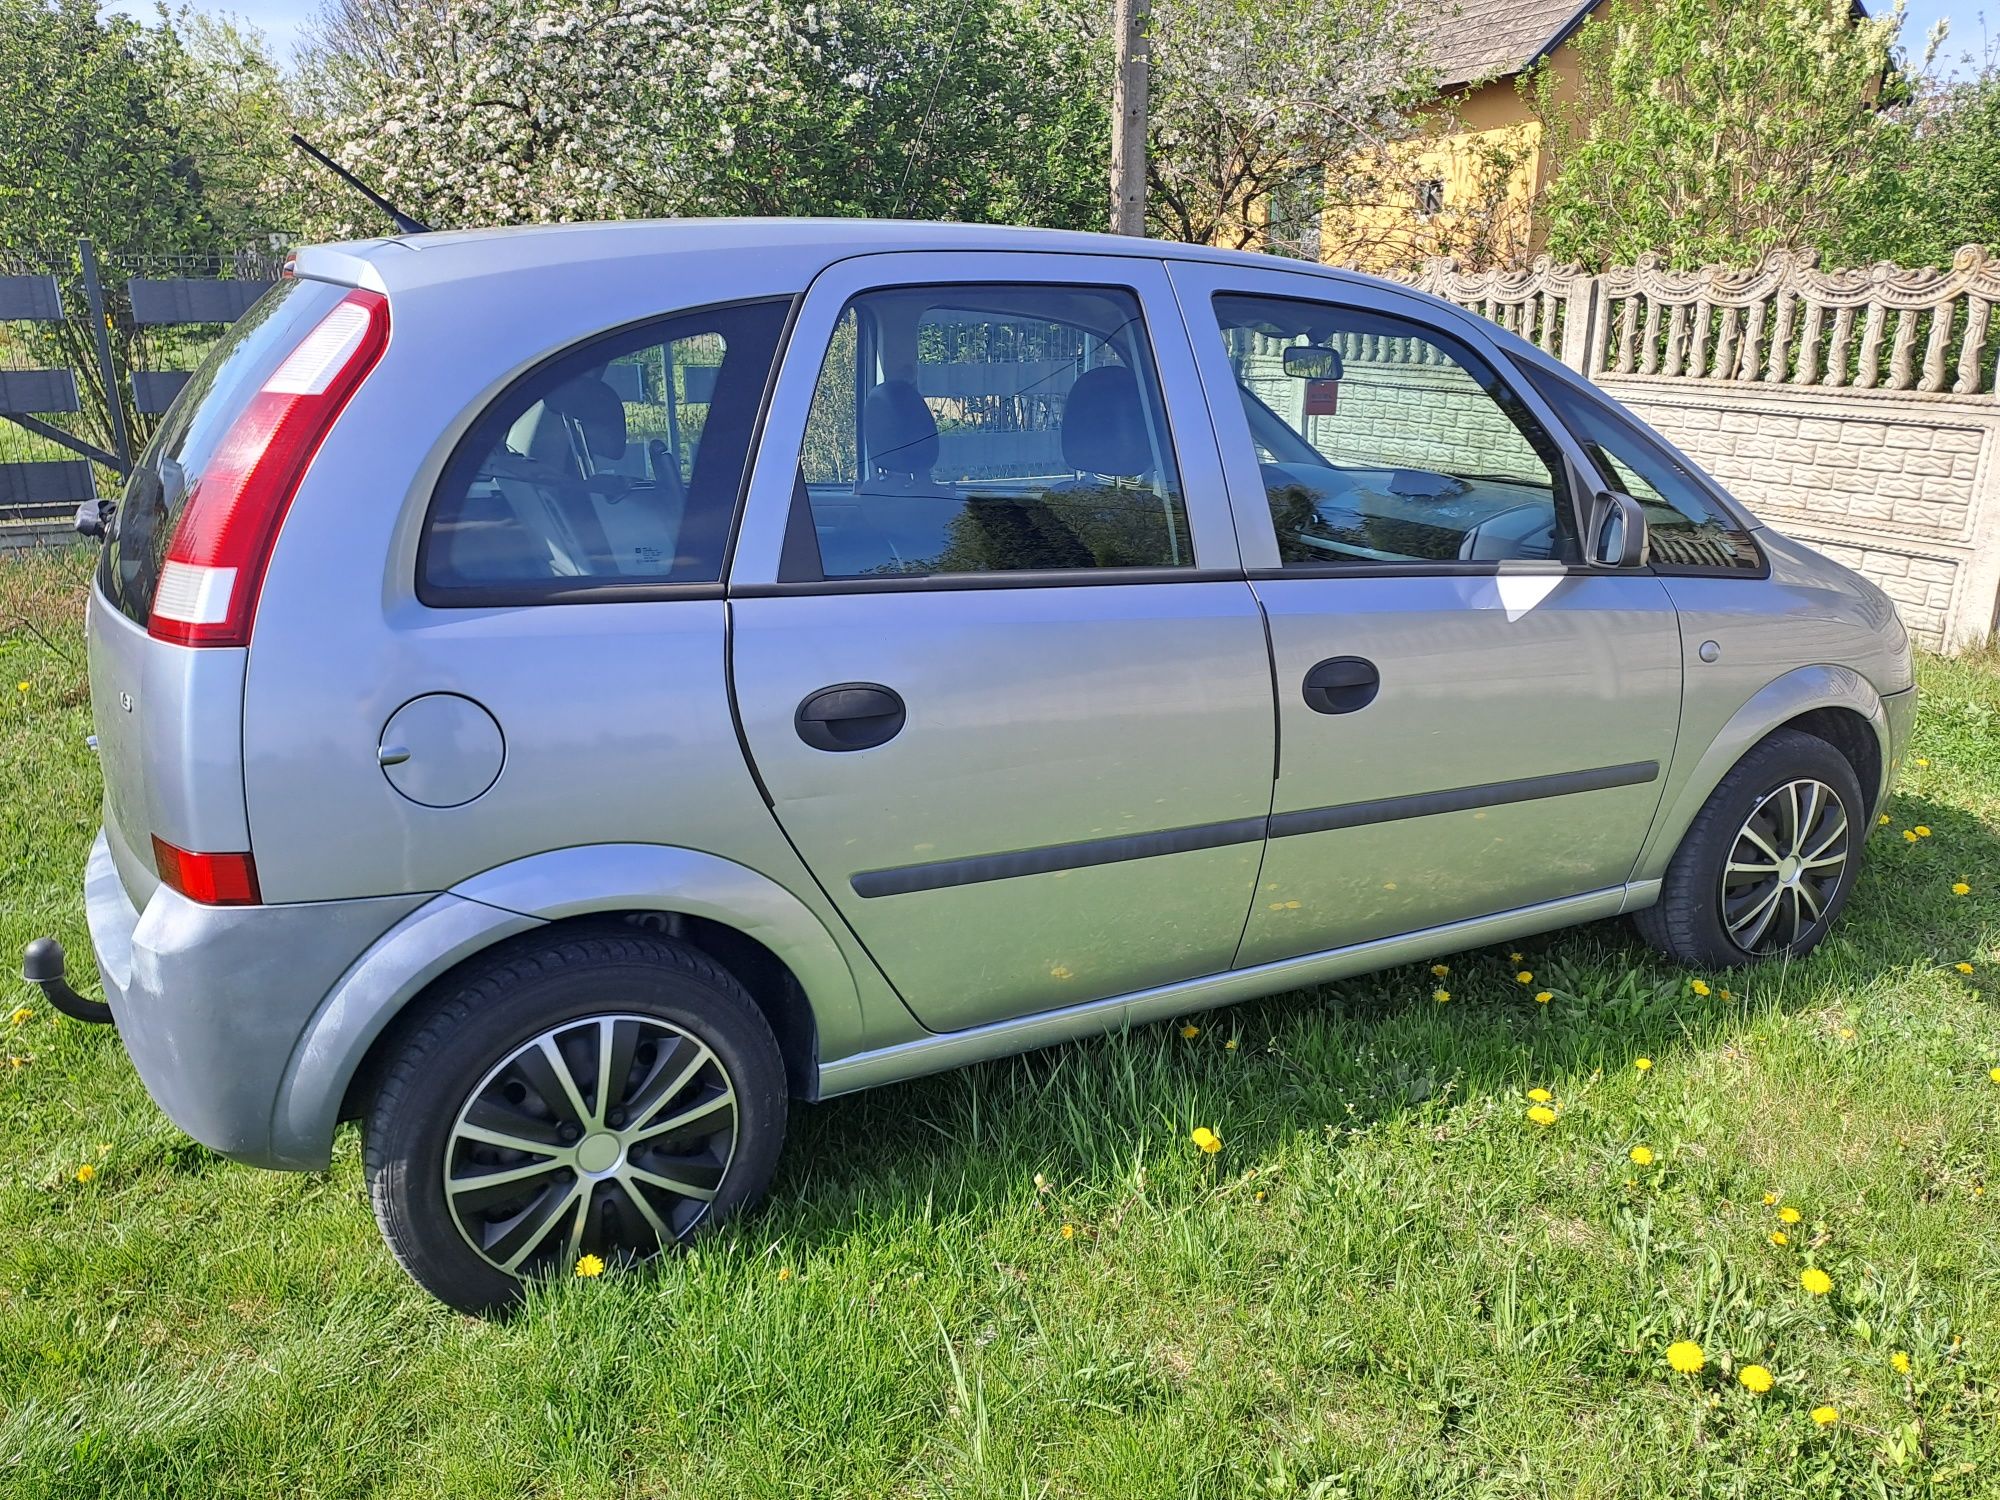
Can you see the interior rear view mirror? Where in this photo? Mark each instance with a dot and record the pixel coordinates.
(1309, 362)
(1618, 532)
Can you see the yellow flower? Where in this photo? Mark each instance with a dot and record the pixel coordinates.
(1826, 1416)
(1686, 1356)
(1230, 1045)
(1643, 1064)
(1190, 1031)
(784, 1273)
(1541, 1114)
(1963, 968)
(21, 686)
(23, 1014)
(1961, 889)
(1921, 761)
(1789, 1215)
(1699, 986)
(85, 1172)
(1440, 996)
(1994, 1074)
(1524, 977)
(1769, 1199)
(1207, 1139)
(590, 1265)
(1260, 1195)
(1780, 1238)
(1909, 835)
(1726, 995)
(1643, 1155)
(1543, 997)
(1922, 832)
(1540, 1096)
(1816, 1281)
(1513, 958)
(1883, 821)
(1069, 1231)
(1900, 1362)
(1756, 1379)
(1440, 969)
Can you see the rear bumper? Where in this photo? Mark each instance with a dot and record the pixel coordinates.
(211, 1001)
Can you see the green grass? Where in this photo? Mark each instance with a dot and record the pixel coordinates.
(1387, 1283)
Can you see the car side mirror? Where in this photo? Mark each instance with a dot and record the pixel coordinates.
(1618, 532)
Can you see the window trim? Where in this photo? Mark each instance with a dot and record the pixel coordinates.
(1615, 413)
(1568, 504)
(558, 591)
(799, 527)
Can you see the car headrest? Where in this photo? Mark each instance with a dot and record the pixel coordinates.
(902, 434)
(594, 407)
(1104, 426)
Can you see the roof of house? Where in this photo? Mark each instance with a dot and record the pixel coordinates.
(1498, 38)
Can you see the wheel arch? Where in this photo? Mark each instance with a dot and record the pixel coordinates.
(1833, 703)
(770, 940)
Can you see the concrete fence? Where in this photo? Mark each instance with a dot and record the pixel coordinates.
(1853, 409)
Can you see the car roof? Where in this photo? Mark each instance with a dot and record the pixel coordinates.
(410, 261)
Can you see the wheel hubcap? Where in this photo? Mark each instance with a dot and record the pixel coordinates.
(1785, 866)
(607, 1136)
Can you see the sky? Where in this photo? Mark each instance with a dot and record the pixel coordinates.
(280, 20)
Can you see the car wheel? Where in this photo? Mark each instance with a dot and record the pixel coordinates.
(1766, 866)
(606, 1095)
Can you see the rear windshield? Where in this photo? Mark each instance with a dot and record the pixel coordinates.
(191, 431)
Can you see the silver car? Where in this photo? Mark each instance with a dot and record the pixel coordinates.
(563, 693)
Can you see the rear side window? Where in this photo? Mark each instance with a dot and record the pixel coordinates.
(619, 463)
(190, 435)
(1689, 530)
(989, 429)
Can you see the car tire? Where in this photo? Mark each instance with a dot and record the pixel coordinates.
(1718, 908)
(513, 1050)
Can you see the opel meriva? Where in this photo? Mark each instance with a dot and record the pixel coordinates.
(564, 692)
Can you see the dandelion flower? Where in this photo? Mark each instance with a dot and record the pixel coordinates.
(1440, 969)
(21, 1015)
(1541, 1114)
(1900, 1362)
(1922, 832)
(1540, 1096)
(1643, 1155)
(1440, 996)
(1780, 1238)
(1230, 1045)
(1994, 1074)
(21, 686)
(1921, 761)
(1524, 977)
(1789, 1215)
(1207, 1139)
(1909, 835)
(1699, 986)
(1769, 1199)
(85, 1172)
(1756, 1379)
(1963, 968)
(1825, 1416)
(1069, 1231)
(1513, 958)
(1960, 888)
(1883, 821)
(1543, 997)
(590, 1265)
(1643, 1064)
(1190, 1031)
(1686, 1357)
(784, 1273)
(1816, 1281)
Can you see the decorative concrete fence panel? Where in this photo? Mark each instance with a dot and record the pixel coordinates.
(1853, 409)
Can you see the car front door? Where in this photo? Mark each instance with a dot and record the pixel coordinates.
(1472, 720)
(995, 661)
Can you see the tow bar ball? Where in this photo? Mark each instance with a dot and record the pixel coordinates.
(42, 966)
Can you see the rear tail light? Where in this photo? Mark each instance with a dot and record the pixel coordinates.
(208, 586)
(211, 879)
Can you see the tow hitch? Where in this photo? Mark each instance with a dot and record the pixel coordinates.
(42, 966)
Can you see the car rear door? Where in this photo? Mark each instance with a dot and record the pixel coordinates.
(1471, 720)
(995, 662)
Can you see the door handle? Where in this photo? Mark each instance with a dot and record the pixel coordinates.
(1342, 684)
(850, 716)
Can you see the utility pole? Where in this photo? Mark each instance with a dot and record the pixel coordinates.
(1128, 118)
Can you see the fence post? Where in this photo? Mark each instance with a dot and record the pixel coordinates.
(1581, 323)
(114, 398)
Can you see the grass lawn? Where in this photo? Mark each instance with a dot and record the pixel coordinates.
(1025, 1280)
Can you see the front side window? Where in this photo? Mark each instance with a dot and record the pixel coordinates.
(989, 429)
(1686, 526)
(620, 462)
(1382, 441)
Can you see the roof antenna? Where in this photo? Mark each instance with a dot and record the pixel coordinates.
(402, 221)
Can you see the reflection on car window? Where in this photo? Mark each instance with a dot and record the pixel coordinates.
(1382, 441)
(985, 429)
(618, 463)
(1685, 526)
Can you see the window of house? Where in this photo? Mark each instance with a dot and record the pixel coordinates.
(990, 429)
(617, 463)
(1383, 441)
